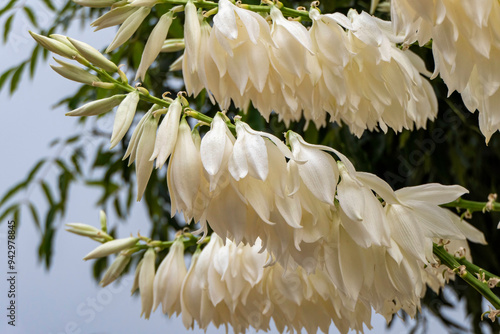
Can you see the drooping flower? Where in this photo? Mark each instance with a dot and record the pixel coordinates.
(465, 45)
(169, 278)
(167, 134)
(140, 147)
(124, 117)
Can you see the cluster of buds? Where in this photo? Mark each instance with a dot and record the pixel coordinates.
(466, 47)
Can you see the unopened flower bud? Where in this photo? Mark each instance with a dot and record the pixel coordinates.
(104, 85)
(146, 282)
(154, 44)
(74, 73)
(111, 247)
(176, 65)
(115, 16)
(54, 46)
(93, 55)
(95, 3)
(103, 220)
(87, 231)
(128, 28)
(97, 107)
(173, 45)
(144, 3)
(115, 269)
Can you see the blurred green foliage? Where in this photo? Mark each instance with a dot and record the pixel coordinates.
(450, 151)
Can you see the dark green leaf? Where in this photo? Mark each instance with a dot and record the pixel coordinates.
(12, 191)
(48, 193)
(7, 7)
(72, 139)
(7, 27)
(34, 214)
(31, 16)
(118, 207)
(34, 60)
(9, 210)
(45, 249)
(49, 4)
(34, 170)
(5, 75)
(14, 82)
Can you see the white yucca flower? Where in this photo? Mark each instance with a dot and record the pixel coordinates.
(184, 173)
(465, 45)
(252, 187)
(154, 44)
(141, 147)
(167, 134)
(169, 278)
(308, 73)
(146, 282)
(124, 116)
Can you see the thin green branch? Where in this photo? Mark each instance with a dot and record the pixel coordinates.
(473, 206)
(303, 15)
(463, 271)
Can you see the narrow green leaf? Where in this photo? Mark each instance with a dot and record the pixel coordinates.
(48, 193)
(5, 75)
(7, 27)
(14, 82)
(12, 191)
(118, 207)
(7, 211)
(34, 60)
(72, 139)
(7, 7)
(34, 170)
(31, 16)
(34, 214)
(49, 4)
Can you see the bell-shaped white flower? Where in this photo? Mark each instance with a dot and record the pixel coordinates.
(249, 155)
(124, 117)
(146, 282)
(169, 278)
(465, 46)
(167, 134)
(216, 148)
(141, 147)
(318, 171)
(184, 173)
(154, 44)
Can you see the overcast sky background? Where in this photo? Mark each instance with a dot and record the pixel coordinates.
(66, 299)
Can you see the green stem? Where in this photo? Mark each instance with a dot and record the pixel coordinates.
(472, 206)
(255, 8)
(476, 269)
(452, 263)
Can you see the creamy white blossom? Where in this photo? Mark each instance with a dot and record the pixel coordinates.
(169, 278)
(465, 45)
(124, 117)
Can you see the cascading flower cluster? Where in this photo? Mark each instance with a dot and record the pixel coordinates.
(300, 236)
(466, 46)
(311, 213)
(358, 75)
(229, 284)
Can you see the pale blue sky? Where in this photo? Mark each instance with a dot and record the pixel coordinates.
(66, 299)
